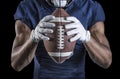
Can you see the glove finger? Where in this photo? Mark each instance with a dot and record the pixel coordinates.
(43, 37)
(76, 37)
(71, 32)
(71, 25)
(49, 25)
(46, 24)
(59, 19)
(47, 18)
(45, 30)
(72, 18)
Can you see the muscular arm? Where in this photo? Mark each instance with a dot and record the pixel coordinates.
(98, 47)
(23, 49)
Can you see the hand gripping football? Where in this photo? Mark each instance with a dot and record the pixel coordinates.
(58, 47)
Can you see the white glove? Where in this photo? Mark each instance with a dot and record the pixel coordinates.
(77, 29)
(42, 29)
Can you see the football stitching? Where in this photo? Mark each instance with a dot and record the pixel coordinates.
(60, 40)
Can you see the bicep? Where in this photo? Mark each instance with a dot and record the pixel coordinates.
(98, 33)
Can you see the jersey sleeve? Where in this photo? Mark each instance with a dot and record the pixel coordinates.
(22, 14)
(98, 13)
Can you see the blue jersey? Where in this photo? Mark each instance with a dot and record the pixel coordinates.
(32, 11)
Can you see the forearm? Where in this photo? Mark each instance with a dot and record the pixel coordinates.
(99, 52)
(23, 55)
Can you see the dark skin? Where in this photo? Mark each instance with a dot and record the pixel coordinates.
(23, 49)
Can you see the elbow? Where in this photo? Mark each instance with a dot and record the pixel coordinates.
(107, 63)
(15, 63)
(15, 67)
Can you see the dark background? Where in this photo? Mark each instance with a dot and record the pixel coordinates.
(93, 71)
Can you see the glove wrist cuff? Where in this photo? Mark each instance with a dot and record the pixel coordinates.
(87, 36)
(33, 37)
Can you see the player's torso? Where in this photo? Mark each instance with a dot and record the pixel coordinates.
(73, 68)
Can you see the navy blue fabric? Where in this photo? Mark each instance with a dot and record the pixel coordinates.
(32, 11)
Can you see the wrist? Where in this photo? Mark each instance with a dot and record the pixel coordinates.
(87, 37)
(34, 37)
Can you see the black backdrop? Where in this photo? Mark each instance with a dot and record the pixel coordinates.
(7, 35)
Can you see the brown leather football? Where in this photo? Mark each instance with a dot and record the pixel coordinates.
(58, 47)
